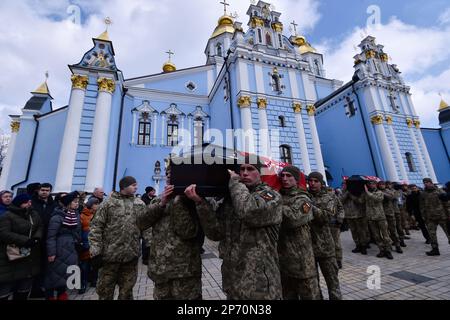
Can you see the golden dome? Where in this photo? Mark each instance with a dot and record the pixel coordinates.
(42, 89)
(104, 36)
(304, 46)
(224, 25)
(169, 67)
(443, 105)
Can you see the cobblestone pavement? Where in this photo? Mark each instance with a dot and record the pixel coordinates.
(410, 276)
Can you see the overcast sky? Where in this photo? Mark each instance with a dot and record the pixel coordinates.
(41, 35)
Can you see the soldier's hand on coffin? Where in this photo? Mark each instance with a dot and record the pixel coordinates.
(168, 190)
(232, 173)
(365, 188)
(191, 193)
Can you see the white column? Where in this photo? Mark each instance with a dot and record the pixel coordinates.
(386, 154)
(15, 125)
(99, 142)
(133, 133)
(68, 152)
(155, 125)
(244, 103)
(163, 128)
(401, 164)
(206, 131)
(426, 155)
(264, 139)
(315, 138)
(423, 169)
(302, 138)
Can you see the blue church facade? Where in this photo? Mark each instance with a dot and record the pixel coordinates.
(271, 87)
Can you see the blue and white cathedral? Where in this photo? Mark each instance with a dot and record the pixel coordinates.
(258, 80)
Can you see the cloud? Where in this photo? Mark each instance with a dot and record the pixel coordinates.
(415, 50)
(444, 18)
(39, 35)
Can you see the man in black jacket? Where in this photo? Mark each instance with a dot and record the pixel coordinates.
(44, 205)
(413, 208)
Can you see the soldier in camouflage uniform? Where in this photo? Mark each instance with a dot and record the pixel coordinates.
(336, 221)
(324, 209)
(357, 221)
(114, 241)
(434, 213)
(174, 264)
(247, 225)
(297, 264)
(373, 200)
(388, 207)
(397, 214)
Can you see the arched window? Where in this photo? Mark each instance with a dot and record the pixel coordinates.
(268, 39)
(172, 131)
(144, 130)
(285, 154)
(259, 36)
(410, 160)
(198, 131)
(219, 49)
(281, 121)
(317, 67)
(351, 111)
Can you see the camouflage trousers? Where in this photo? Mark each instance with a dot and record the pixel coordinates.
(399, 225)
(432, 230)
(179, 289)
(330, 270)
(392, 230)
(336, 233)
(405, 218)
(300, 289)
(122, 274)
(359, 229)
(379, 230)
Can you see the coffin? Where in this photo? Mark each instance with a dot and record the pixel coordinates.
(356, 183)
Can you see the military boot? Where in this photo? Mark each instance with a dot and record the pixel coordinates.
(388, 255)
(363, 250)
(433, 252)
(398, 249)
(339, 263)
(402, 243)
(381, 254)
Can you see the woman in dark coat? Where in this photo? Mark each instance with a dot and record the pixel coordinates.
(63, 238)
(16, 277)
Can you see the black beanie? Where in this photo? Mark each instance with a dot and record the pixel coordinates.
(125, 182)
(292, 170)
(20, 199)
(318, 176)
(66, 200)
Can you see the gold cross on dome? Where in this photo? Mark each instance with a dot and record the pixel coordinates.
(170, 53)
(108, 21)
(225, 4)
(46, 75)
(295, 25)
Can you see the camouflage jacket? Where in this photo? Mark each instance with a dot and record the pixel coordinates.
(324, 208)
(374, 205)
(388, 202)
(174, 244)
(115, 233)
(431, 207)
(352, 207)
(295, 243)
(247, 225)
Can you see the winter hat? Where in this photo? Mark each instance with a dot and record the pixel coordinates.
(316, 175)
(149, 189)
(91, 202)
(292, 170)
(425, 180)
(66, 200)
(21, 199)
(32, 188)
(125, 182)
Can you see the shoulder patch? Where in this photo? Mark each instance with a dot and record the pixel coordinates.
(306, 207)
(267, 195)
